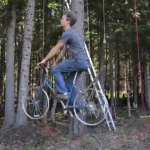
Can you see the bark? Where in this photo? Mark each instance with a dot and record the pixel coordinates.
(78, 7)
(75, 127)
(117, 74)
(102, 65)
(106, 78)
(111, 61)
(2, 74)
(19, 54)
(90, 39)
(9, 102)
(147, 81)
(101, 52)
(21, 118)
(127, 85)
(135, 88)
(19, 63)
(102, 68)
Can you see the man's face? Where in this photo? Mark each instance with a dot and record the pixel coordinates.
(64, 21)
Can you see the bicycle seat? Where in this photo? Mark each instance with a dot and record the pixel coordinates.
(82, 70)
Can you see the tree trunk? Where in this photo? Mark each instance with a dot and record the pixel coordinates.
(127, 84)
(135, 89)
(147, 81)
(21, 118)
(117, 74)
(2, 74)
(9, 102)
(106, 78)
(19, 55)
(102, 61)
(75, 127)
(111, 61)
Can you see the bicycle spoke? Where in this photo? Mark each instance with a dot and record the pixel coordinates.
(37, 103)
(90, 108)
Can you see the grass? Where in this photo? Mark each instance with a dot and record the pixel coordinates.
(41, 145)
(123, 114)
(88, 142)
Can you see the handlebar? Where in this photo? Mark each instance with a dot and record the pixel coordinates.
(45, 68)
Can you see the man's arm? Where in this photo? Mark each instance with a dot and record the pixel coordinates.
(61, 55)
(53, 52)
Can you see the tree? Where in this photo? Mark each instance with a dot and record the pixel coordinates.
(21, 118)
(9, 102)
(147, 79)
(111, 60)
(75, 127)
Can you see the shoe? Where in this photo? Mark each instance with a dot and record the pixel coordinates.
(61, 96)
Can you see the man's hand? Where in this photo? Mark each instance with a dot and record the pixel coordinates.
(43, 62)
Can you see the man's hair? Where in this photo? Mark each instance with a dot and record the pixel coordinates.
(71, 16)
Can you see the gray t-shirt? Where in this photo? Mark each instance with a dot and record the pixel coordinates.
(73, 43)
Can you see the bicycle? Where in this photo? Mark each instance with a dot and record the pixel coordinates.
(86, 102)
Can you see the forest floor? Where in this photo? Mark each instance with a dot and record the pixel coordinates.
(132, 134)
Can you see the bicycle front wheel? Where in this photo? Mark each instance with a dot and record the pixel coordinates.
(37, 103)
(88, 107)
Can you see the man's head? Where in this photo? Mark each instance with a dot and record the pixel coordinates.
(68, 19)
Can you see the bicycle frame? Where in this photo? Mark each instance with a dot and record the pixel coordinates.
(47, 82)
(78, 91)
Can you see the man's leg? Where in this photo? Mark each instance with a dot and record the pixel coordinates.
(70, 88)
(67, 66)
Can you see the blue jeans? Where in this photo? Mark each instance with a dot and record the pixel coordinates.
(68, 66)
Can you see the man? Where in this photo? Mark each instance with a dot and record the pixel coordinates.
(78, 61)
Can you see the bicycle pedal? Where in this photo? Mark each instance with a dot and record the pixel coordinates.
(71, 115)
(65, 112)
(67, 108)
(36, 116)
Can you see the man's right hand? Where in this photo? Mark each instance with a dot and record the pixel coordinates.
(43, 62)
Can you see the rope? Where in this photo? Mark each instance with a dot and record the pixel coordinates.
(43, 21)
(139, 62)
(104, 36)
(62, 8)
(88, 25)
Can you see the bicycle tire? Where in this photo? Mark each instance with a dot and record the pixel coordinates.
(45, 110)
(90, 105)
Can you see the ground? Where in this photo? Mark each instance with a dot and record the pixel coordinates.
(132, 134)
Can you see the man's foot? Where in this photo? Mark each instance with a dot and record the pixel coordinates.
(61, 96)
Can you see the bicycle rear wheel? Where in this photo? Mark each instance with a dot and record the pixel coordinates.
(37, 103)
(88, 108)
